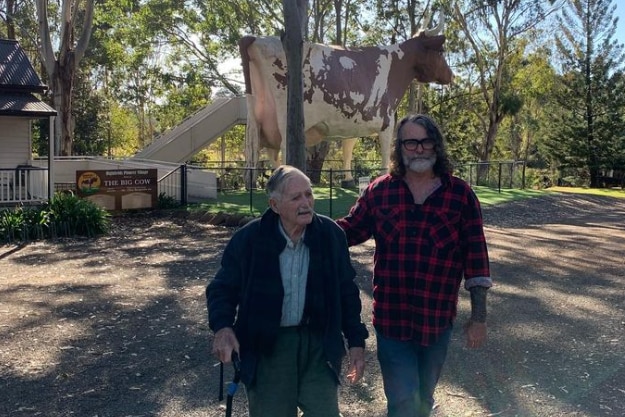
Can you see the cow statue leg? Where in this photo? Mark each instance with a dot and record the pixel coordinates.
(386, 138)
(274, 158)
(252, 145)
(348, 150)
(280, 156)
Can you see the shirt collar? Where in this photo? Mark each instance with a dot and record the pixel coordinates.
(289, 242)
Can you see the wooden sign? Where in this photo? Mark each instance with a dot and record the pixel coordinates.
(119, 189)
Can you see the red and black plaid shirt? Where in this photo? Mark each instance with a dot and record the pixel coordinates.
(422, 252)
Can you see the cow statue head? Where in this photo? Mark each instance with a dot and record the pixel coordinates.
(427, 47)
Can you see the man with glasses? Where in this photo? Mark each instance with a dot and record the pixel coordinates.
(428, 231)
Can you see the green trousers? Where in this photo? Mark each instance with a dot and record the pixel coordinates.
(294, 376)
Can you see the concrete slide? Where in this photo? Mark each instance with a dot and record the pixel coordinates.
(196, 132)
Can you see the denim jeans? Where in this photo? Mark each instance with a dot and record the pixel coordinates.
(410, 373)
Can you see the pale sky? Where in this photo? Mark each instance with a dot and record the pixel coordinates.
(620, 28)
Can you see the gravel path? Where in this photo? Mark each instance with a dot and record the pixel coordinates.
(116, 326)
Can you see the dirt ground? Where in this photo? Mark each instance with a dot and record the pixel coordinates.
(117, 327)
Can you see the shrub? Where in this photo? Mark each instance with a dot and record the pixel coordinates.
(10, 225)
(538, 179)
(73, 216)
(167, 202)
(65, 215)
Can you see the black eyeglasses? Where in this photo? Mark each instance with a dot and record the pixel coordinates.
(413, 144)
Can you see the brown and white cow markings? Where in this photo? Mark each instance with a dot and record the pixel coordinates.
(348, 93)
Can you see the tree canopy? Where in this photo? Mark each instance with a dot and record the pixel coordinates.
(123, 72)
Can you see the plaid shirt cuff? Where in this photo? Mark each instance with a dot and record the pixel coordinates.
(478, 282)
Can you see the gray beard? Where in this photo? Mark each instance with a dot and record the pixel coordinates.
(420, 165)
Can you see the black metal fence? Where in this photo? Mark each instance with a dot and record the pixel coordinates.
(230, 179)
(495, 174)
(231, 176)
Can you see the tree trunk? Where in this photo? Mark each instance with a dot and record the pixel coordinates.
(64, 85)
(10, 23)
(293, 43)
(316, 157)
(489, 144)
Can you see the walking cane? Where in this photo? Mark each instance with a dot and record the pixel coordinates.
(221, 381)
(232, 387)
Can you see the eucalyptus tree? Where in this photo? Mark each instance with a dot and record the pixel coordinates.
(18, 21)
(534, 82)
(8, 13)
(71, 37)
(488, 39)
(189, 51)
(588, 135)
(202, 35)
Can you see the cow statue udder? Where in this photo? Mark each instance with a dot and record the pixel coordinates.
(348, 93)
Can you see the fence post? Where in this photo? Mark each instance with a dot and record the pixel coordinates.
(499, 179)
(331, 189)
(183, 184)
(251, 187)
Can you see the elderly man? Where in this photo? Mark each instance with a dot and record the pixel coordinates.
(429, 237)
(284, 299)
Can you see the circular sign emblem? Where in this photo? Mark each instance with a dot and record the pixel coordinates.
(89, 182)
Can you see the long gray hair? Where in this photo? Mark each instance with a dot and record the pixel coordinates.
(442, 164)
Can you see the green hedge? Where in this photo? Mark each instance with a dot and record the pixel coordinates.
(64, 216)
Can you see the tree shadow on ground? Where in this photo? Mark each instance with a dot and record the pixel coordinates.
(116, 330)
(555, 314)
(117, 326)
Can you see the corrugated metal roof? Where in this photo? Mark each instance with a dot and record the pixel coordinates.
(23, 104)
(18, 79)
(16, 71)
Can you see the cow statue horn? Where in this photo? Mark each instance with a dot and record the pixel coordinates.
(435, 31)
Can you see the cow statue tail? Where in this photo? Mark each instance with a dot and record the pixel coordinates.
(252, 145)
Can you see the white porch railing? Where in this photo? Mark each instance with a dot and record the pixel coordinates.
(24, 184)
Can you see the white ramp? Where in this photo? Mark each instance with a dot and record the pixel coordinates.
(197, 131)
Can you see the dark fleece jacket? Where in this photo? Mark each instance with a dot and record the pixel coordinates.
(247, 291)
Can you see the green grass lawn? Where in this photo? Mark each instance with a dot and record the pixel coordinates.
(255, 203)
(242, 202)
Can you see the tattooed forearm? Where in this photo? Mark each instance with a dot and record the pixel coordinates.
(478, 304)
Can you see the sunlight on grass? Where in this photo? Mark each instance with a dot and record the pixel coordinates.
(236, 202)
(604, 192)
(491, 196)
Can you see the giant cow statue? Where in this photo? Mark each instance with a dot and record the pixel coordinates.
(348, 93)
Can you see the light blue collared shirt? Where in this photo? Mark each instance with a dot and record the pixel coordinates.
(294, 261)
